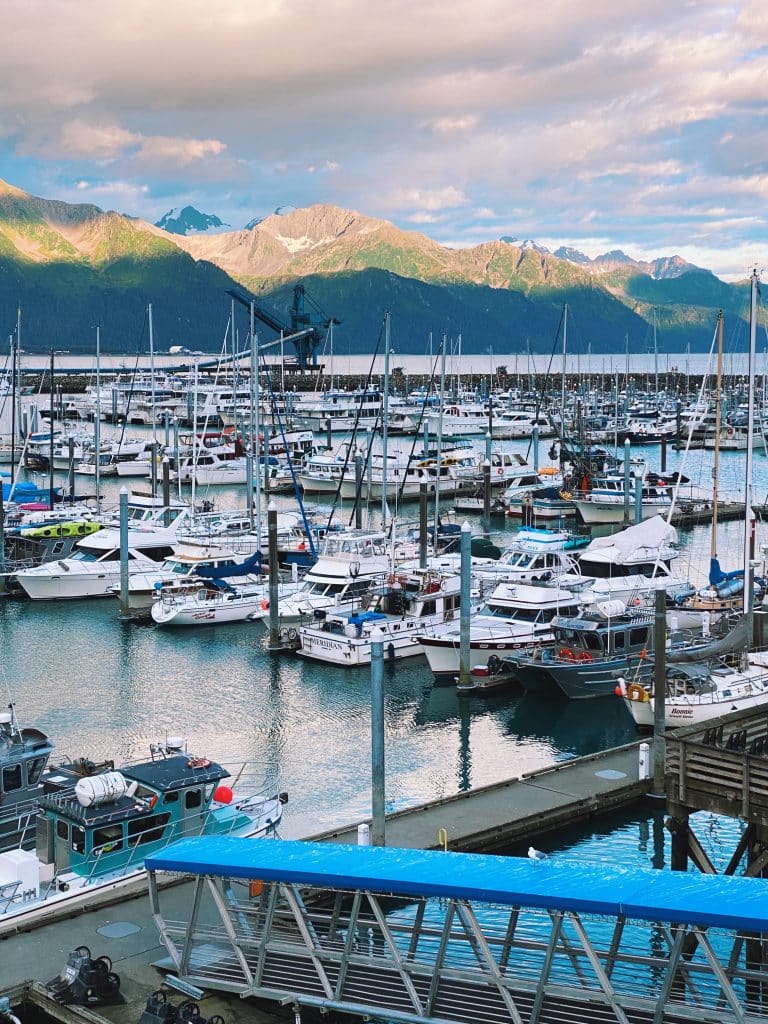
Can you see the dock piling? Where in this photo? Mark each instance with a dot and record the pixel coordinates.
(638, 499)
(423, 526)
(274, 618)
(627, 482)
(464, 602)
(124, 609)
(486, 497)
(659, 691)
(535, 442)
(378, 831)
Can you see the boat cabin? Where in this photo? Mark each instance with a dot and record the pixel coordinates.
(92, 820)
(24, 754)
(595, 636)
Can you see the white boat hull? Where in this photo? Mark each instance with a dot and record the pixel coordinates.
(69, 586)
(613, 512)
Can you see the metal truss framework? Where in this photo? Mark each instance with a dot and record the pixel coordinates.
(430, 960)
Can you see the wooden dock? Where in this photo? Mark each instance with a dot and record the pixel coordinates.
(494, 817)
(488, 819)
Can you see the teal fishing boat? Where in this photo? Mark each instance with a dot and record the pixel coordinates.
(95, 824)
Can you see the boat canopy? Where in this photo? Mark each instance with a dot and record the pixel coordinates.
(623, 547)
(712, 900)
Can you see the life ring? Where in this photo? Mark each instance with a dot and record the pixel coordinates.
(583, 657)
(198, 762)
(730, 432)
(637, 692)
(302, 545)
(500, 471)
(264, 604)
(566, 654)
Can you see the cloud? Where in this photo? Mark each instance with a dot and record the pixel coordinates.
(78, 138)
(446, 198)
(451, 125)
(617, 120)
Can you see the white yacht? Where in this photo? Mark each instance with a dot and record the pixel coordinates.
(510, 424)
(459, 419)
(513, 617)
(407, 604)
(348, 566)
(339, 410)
(629, 565)
(189, 556)
(94, 569)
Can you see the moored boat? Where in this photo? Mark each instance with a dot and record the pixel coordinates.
(95, 825)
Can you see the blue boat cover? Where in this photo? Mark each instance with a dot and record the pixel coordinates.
(670, 896)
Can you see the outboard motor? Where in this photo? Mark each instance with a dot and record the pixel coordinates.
(84, 981)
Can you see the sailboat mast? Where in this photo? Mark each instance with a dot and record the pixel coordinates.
(153, 400)
(565, 352)
(384, 427)
(753, 282)
(97, 420)
(655, 360)
(718, 401)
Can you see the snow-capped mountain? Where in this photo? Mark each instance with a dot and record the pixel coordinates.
(525, 244)
(187, 220)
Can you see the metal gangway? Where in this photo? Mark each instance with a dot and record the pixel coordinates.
(424, 936)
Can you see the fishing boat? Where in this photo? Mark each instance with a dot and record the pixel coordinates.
(188, 558)
(95, 824)
(589, 654)
(24, 754)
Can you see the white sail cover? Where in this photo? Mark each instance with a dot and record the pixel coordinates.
(650, 539)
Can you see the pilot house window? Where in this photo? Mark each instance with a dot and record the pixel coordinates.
(12, 777)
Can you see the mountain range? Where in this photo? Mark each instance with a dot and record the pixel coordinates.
(70, 266)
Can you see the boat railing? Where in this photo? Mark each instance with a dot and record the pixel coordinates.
(20, 815)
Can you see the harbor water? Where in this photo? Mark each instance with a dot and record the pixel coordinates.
(106, 689)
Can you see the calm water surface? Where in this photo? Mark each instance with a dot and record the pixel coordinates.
(106, 689)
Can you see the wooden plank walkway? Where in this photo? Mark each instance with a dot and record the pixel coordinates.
(494, 817)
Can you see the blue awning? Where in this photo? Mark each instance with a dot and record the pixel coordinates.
(558, 884)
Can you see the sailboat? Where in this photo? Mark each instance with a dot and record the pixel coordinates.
(700, 686)
(724, 593)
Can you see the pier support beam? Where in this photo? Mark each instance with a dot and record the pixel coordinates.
(659, 691)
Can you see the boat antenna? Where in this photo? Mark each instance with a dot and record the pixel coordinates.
(11, 705)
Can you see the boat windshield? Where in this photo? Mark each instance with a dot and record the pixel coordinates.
(84, 556)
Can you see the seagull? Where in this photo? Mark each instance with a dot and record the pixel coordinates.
(536, 855)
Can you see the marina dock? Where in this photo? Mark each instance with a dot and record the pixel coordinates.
(494, 817)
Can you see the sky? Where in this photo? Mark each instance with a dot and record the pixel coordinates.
(633, 124)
